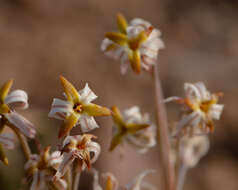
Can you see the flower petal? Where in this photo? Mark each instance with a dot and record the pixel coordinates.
(190, 120)
(70, 91)
(17, 99)
(18, 121)
(5, 90)
(135, 60)
(69, 123)
(87, 123)
(38, 181)
(140, 22)
(60, 109)
(95, 110)
(87, 95)
(121, 23)
(116, 37)
(144, 139)
(132, 128)
(116, 140)
(215, 111)
(68, 158)
(94, 148)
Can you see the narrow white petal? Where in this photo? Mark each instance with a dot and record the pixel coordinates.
(140, 22)
(68, 158)
(189, 120)
(192, 91)
(215, 111)
(94, 148)
(25, 126)
(87, 123)
(60, 109)
(203, 91)
(143, 139)
(17, 99)
(38, 182)
(87, 95)
(172, 99)
(55, 158)
(34, 158)
(132, 115)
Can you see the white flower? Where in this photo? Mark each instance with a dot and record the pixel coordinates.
(134, 127)
(7, 141)
(142, 139)
(17, 99)
(79, 147)
(41, 169)
(201, 107)
(78, 109)
(136, 43)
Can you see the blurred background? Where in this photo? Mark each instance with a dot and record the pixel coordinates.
(40, 40)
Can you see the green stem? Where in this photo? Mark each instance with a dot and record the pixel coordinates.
(163, 134)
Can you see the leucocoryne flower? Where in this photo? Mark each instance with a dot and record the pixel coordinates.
(136, 44)
(134, 127)
(200, 107)
(40, 169)
(80, 148)
(112, 183)
(77, 110)
(8, 104)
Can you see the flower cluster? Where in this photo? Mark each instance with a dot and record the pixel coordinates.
(136, 43)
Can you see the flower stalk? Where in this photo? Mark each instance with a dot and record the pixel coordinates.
(77, 175)
(163, 134)
(22, 139)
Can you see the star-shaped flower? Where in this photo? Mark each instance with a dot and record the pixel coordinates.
(137, 44)
(80, 148)
(134, 127)
(201, 107)
(77, 110)
(40, 170)
(112, 184)
(8, 104)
